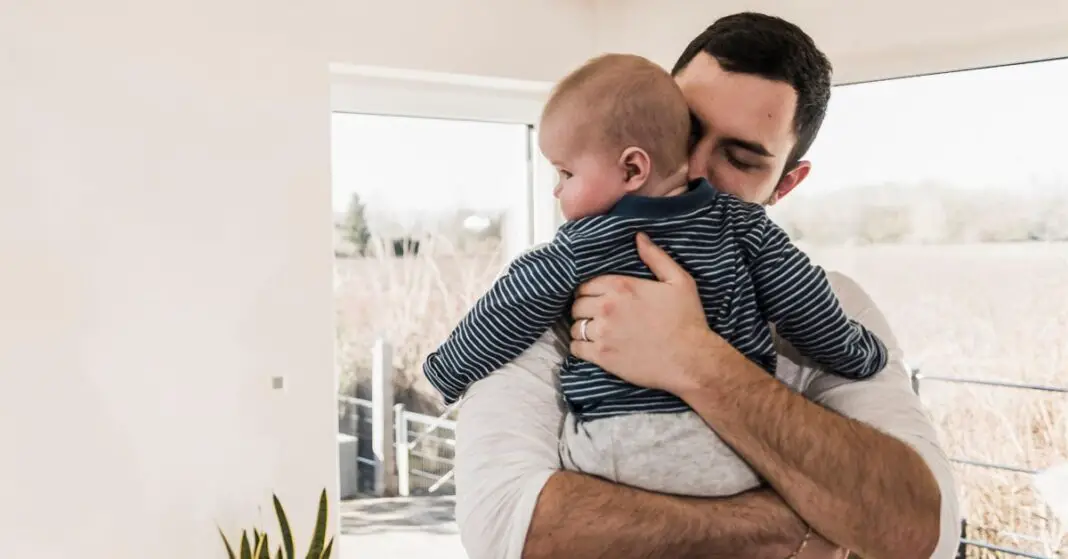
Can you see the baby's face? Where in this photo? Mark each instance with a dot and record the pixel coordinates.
(589, 182)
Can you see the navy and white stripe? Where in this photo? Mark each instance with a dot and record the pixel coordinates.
(747, 271)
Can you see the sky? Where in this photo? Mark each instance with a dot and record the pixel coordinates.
(992, 128)
(997, 127)
(421, 165)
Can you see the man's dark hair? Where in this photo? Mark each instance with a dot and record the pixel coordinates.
(774, 49)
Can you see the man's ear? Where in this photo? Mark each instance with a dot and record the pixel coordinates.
(790, 181)
(636, 168)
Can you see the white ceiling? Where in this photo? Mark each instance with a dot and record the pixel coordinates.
(527, 39)
(865, 39)
(543, 39)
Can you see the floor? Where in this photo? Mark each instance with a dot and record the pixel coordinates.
(400, 528)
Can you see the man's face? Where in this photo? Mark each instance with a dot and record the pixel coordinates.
(748, 131)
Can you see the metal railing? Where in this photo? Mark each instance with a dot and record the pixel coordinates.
(406, 453)
(965, 542)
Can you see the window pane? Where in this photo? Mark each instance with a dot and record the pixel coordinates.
(426, 213)
(946, 198)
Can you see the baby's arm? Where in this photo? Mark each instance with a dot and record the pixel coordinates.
(530, 297)
(795, 295)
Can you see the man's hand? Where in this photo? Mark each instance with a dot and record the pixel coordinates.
(844, 477)
(646, 332)
(819, 548)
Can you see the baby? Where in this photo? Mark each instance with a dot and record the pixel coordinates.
(618, 132)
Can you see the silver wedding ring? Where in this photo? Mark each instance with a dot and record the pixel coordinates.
(582, 329)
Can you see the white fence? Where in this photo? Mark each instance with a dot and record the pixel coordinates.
(426, 449)
(396, 452)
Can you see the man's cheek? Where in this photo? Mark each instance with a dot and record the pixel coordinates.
(743, 185)
(722, 178)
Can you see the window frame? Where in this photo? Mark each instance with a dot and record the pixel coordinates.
(412, 93)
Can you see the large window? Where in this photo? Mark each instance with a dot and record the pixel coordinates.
(437, 184)
(946, 198)
(427, 211)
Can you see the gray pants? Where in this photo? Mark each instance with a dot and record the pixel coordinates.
(666, 453)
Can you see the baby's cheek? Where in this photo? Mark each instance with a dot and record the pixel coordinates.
(574, 205)
(582, 202)
(602, 199)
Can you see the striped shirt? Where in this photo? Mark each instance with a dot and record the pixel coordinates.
(748, 274)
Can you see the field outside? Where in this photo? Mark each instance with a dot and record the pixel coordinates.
(987, 311)
(984, 311)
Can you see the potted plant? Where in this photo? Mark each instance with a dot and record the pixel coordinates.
(259, 546)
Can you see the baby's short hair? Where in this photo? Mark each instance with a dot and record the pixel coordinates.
(622, 100)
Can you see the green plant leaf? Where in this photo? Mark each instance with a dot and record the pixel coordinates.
(315, 550)
(246, 552)
(226, 542)
(283, 524)
(259, 544)
(263, 551)
(279, 556)
(329, 549)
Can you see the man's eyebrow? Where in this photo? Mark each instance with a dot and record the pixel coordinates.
(753, 147)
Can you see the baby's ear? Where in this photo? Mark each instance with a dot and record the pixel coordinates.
(636, 168)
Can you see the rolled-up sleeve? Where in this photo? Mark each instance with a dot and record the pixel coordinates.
(888, 403)
(507, 447)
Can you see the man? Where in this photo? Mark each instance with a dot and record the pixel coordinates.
(848, 465)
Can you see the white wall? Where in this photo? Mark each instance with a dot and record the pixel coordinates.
(865, 40)
(165, 239)
(165, 230)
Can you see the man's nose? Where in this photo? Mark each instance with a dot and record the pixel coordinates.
(698, 164)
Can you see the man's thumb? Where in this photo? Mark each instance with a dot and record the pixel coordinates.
(659, 262)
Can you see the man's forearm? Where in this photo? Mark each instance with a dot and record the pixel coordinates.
(860, 488)
(583, 516)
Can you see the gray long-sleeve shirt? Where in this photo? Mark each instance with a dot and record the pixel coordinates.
(508, 431)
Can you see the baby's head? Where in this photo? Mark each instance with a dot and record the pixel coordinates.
(617, 125)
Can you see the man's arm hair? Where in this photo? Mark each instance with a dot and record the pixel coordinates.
(856, 485)
(583, 516)
(889, 403)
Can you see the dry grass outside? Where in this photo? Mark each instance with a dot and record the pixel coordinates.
(984, 311)
(411, 302)
(994, 311)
